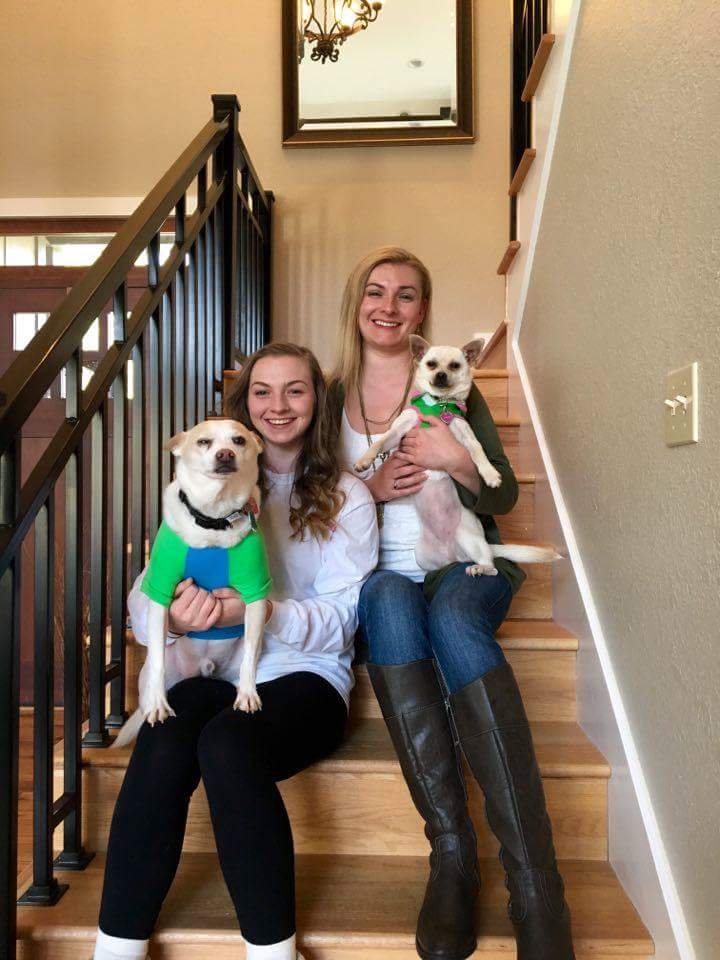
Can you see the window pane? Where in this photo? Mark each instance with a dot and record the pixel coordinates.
(91, 340)
(20, 251)
(24, 329)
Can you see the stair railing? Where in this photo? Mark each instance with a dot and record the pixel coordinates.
(530, 24)
(210, 297)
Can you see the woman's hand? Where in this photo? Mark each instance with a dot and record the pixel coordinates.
(432, 447)
(233, 607)
(435, 448)
(395, 478)
(193, 609)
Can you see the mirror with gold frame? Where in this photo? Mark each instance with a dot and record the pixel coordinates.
(377, 72)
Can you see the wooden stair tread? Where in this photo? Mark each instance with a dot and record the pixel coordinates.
(368, 902)
(535, 635)
(563, 750)
(490, 373)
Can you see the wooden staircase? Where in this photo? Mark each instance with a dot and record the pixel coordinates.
(361, 852)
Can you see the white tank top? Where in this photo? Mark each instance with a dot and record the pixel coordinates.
(401, 527)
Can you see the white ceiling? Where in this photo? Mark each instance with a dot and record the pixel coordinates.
(371, 75)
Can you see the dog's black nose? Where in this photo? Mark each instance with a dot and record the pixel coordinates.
(225, 456)
(440, 379)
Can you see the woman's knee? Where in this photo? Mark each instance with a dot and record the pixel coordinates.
(230, 745)
(393, 618)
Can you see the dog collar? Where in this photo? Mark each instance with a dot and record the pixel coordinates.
(250, 510)
(445, 409)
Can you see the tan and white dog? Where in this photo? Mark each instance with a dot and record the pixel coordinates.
(213, 502)
(450, 532)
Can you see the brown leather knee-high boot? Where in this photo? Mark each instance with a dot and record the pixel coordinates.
(413, 705)
(495, 737)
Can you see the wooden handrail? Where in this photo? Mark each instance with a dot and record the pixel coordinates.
(508, 257)
(518, 179)
(28, 378)
(538, 65)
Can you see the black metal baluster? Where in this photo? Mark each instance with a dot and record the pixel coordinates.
(120, 523)
(73, 855)
(139, 457)
(165, 379)
(191, 340)
(209, 330)
(242, 344)
(97, 735)
(44, 889)
(202, 371)
(179, 299)
(218, 319)
(9, 702)
(245, 268)
(155, 377)
(267, 267)
(227, 106)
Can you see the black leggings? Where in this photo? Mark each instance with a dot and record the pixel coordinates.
(240, 757)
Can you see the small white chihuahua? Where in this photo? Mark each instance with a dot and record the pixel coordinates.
(450, 532)
(209, 533)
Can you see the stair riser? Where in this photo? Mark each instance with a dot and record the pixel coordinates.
(368, 814)
(495, 392)
(186, 950)
(546, 679)
(519, 524)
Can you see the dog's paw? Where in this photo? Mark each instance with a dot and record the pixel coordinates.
(247, 700)
(362, 465)
(155, 707)
(491, 477)
(478, 569)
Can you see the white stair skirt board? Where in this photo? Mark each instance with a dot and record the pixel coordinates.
(631, 842)
(547, 107)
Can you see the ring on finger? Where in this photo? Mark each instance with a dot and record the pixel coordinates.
(396, 484)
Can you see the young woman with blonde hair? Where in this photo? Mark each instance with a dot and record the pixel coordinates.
(433, 660)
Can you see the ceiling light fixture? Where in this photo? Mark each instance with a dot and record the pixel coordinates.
(328, 24)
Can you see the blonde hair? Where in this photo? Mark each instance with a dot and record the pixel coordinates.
(315, 500)
(349, 362)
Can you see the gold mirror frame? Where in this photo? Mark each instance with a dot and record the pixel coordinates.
(462, 132)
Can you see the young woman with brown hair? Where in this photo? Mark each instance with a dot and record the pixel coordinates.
(434, 662)
(321, 537)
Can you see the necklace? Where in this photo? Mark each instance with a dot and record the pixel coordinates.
(380, 505)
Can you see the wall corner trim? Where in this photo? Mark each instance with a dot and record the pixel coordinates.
(657, 847)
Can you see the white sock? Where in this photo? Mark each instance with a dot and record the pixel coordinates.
(118, 948)
(273, 951)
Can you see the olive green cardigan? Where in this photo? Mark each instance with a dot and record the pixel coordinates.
(489, 501)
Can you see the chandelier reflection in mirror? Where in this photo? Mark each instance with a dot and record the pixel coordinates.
(329, 29)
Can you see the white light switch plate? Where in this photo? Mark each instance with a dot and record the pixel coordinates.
(681, 424)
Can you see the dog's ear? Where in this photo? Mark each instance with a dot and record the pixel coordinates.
(174, 443)
(418, 346)
(258, 442)
(473, 349)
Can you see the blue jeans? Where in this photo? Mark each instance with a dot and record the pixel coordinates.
(457, 627)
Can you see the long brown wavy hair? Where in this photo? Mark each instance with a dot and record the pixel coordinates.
(315, 500)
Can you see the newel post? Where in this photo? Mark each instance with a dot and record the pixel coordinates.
(225, 105)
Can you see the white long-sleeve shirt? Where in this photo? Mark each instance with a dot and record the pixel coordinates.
(316, 586)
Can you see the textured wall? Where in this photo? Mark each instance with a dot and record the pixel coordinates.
(98, 98)
(625, 288)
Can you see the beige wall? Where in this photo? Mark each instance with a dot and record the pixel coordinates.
(624, 289)
(98, 98)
